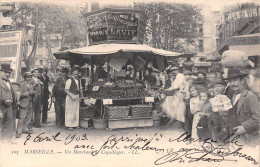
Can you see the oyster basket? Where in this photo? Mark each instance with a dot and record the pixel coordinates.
(138, 111)
(87, 112)
(117, 112)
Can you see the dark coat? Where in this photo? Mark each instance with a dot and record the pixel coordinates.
(5, 94)
(58, 89)
(25, 89)
(248, 112)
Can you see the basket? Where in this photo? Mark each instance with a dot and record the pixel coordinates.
(100, 123)
(141, 111)
(118, 112)
(83, 122)
(87, 112)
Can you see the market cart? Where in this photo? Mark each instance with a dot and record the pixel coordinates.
(124, 102)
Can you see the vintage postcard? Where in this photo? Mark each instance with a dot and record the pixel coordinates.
(115, 83)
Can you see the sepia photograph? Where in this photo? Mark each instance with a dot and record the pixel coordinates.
(110, 83)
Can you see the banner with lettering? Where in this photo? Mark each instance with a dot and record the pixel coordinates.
(115, 27)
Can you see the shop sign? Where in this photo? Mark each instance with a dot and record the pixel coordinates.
(244, 40)
(149, 99)
(95, 88)
(107, 101)
(111, 27)
(242, 14)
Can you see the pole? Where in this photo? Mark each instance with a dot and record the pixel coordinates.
(89, 10)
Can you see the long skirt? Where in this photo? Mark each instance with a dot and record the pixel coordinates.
(194, 132)
(71, 112)
(175, 107)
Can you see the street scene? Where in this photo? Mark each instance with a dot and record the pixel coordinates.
(129, 83)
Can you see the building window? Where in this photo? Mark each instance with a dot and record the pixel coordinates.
(40, 62)
(201, 45)
(201, 28)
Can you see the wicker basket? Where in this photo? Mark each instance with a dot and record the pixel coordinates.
(141, 111)
(118, 112)
(87, 112)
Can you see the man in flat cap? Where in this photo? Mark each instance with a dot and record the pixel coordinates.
(7, 98)
(59, 97)
(26, 111)
(243, 118)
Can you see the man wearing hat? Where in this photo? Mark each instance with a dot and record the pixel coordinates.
(7, 99)
(37, 98)
(72, 89)
(59, 96)
(45, 80)
(243, 118)
(26, 112)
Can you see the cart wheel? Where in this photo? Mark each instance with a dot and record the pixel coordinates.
(50, 101)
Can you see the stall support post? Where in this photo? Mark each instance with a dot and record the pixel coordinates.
(108, 75)
(92, 70)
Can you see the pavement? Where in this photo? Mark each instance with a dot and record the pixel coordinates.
(50, 128)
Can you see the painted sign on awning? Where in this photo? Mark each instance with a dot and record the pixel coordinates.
(115, 26)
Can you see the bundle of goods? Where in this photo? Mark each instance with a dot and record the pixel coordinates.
(234, 58)
(127, 83)
(118, 112)
(138, 111)
(154, 93)
(118, 93)
(99, 82)
(221, 104)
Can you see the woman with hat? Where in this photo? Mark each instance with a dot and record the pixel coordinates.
(72, 100)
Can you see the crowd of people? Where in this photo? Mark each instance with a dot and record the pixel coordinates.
(26, 101)
(189, 103)
(186, 99)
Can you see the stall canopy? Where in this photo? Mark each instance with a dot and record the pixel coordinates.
(108, 49)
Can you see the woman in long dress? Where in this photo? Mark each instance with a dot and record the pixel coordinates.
(72, 100)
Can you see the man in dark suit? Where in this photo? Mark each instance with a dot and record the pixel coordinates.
(45, 96)
(25, 105)
(243, 118)
(37, 98)
(7, 99)
(59, 97)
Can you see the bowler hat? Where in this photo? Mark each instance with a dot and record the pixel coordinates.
(174, 68)
(15, 83)
(6, 69)
(75, 68)
(234, 73)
